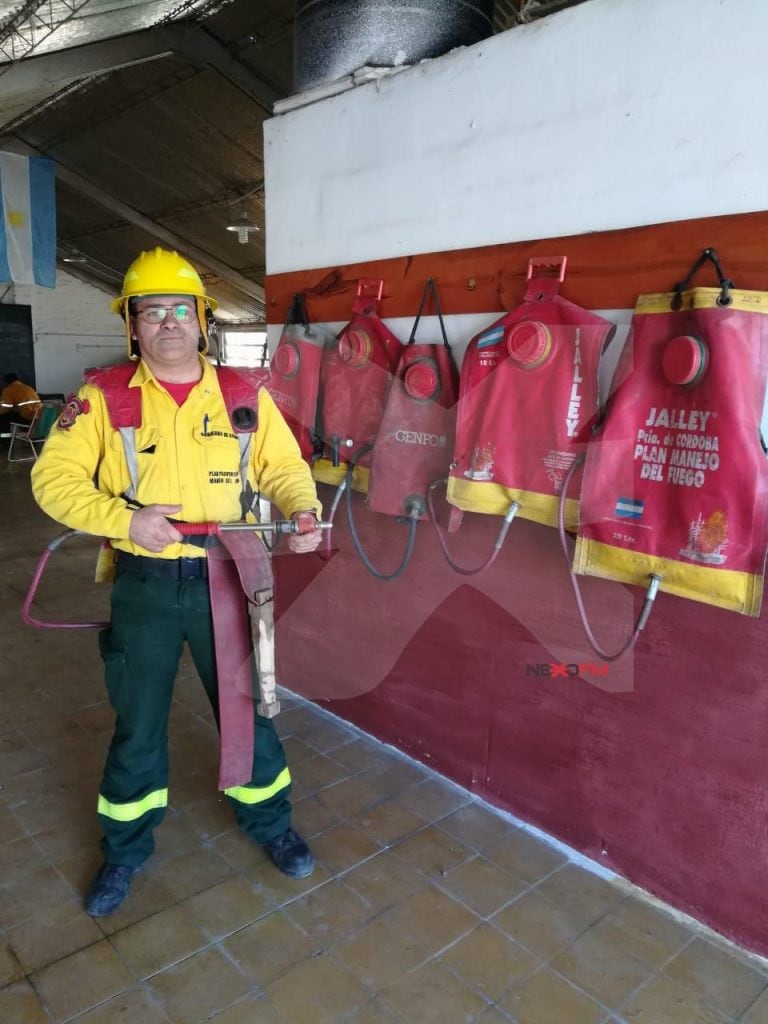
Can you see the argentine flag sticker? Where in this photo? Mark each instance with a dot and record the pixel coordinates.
(28, 223)
(629, 508)
(490, 337)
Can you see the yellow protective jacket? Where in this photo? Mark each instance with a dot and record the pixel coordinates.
(187, 455)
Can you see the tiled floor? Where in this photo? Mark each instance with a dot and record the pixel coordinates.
(425, 905)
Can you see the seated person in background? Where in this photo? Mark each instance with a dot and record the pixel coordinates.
(18, 402)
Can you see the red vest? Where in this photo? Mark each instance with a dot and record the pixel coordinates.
(239, 387)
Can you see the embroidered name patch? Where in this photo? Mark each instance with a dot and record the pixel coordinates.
(222, 476)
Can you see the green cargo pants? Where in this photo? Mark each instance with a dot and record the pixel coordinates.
(151, 619)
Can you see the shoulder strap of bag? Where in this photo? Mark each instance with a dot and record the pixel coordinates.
(430, 289)
(726, 284)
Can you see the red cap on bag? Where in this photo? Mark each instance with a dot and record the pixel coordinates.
(421, 379)
(685, 360)
(529, 343)
(286, 360)
(355, 347)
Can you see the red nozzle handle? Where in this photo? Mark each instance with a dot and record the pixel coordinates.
(306, 522)
(197, 529)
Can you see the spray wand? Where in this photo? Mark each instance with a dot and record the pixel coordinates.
(304, 523)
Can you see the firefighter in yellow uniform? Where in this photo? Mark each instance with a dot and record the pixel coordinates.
(186, 465)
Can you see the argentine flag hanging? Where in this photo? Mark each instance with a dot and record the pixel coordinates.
(28, 224)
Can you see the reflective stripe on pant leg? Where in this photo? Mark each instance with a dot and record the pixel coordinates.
(262, 807)
(258, 794)
(128, 828)
(135, 809)
(141, 651)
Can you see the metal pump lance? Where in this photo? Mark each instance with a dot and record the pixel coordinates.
(277, 526)
(216, 529)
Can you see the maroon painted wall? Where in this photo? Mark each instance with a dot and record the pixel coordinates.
(657, 769)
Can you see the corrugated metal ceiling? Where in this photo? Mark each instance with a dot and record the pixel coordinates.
(153, 110)
(59, 24)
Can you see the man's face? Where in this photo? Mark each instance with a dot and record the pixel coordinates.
(167, 330)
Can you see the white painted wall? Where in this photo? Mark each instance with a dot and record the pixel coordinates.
(73, 329)
(612, 114)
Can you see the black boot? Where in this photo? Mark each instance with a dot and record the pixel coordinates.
(109, 888)
(290, 854)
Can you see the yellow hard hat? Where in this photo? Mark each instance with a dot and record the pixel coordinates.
(162, 272)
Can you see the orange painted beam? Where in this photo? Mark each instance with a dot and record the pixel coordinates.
(606, 270)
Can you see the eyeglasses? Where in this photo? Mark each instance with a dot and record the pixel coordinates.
(183, 313)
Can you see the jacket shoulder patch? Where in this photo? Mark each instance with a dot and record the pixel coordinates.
(73, 408)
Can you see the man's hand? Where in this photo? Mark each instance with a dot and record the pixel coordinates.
(151, 530)
(308, 538)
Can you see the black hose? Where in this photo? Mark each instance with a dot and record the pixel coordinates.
(444, 544)
(409, 544)
(645, 611)
(326, 546)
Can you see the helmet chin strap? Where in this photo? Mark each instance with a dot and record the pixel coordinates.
(202, 345)
(133, 345)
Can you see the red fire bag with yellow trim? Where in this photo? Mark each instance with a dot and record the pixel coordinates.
(529, 400)
(414, 444)
(355, 378)
(295, 373)
(676, 484)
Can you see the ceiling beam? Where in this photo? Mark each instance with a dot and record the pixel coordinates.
(82, 273)
(33, 22)
(201, 48)
(162, 234)
(52, 71)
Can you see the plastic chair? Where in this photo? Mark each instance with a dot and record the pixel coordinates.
(34, 432)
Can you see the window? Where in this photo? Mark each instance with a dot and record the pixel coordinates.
(245, 348)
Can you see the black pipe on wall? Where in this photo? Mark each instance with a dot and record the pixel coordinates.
(333, 38)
